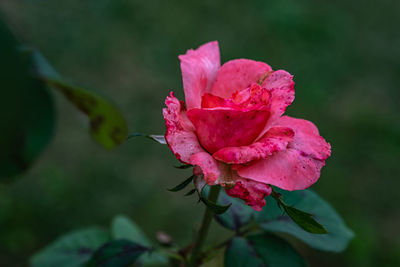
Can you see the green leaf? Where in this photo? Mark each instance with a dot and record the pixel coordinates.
(271, 218)
(158, 138)
(191, 192)
(119, 252)
(71, 250)
(240, 253)
(214, 207)
(275, 251)
(107, 125)
(152, 258)
(305, 220)
(27, 115)
(123, 228)
(261, 250)
(237, 216)
(182, 185)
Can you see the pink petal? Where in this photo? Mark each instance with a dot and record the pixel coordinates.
(199, 68)
(212, 101)
(281, 85)
(253, 193)
(298, 166)
(180, 135)
(237, 75)
(183, 142)
(253, 97)
(276, 139)
(287, 169)
(214, 172)
(307, 139)
(218, 128)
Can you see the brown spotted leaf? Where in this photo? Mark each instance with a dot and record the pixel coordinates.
(107, 125)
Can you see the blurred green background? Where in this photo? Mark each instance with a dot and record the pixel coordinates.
(345, 57)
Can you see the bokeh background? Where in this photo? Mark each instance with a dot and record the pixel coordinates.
(345, 57)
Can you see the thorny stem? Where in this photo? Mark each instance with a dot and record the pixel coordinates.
(205, 225)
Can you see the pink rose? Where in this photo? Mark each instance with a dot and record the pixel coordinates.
(232, 128)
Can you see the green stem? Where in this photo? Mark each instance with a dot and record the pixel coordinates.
(205, 225)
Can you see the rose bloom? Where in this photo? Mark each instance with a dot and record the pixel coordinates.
(232, 129)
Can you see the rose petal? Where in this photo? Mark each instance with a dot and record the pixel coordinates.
(276, 139)
(252, 97)
(238, 74)
(281, 85)
(214, 172)
(296, 167)
(199, 68)
(180, 135)
(287, 169)
(212, 101)
(218, 128)
(307, 139)
(253, 193)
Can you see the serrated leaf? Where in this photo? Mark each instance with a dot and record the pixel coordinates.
(123, 228)
(119, 252)
(72, 249)
(107, 125)
(272, 219)
(261, 250)
(182, 185)
(305, 220)
(237, 216)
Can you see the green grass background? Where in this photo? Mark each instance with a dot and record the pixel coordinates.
(345, 58)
